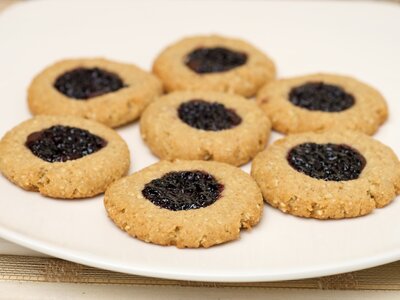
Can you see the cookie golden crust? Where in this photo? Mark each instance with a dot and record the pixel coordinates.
(84, 177)
(112, 109)
(366, 115)
(171, 138)
(244, 80)
(298, 194)
(239, 206)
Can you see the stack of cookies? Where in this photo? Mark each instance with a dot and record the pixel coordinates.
(196, 115)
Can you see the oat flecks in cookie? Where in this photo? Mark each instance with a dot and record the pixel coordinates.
(293, 191)
(108, 92)
(239, 205)
(51, 173)
(217, 126)
(214, 63)
(322, 102)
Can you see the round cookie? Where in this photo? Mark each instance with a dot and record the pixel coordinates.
(322, 102)
(109, 92)
(200, 125)
(185, 203)
(327, 175)
(214, 63)
(63, 156)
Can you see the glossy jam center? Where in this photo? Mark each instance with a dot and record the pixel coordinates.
(212, 60)
(210, 116)
(62, 143)
(321, 97)
(330, 162)
(183, 190)
(86, 83)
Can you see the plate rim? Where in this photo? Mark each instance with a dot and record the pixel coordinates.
(324, 270)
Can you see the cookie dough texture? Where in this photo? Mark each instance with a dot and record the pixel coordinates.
(245, 80)
(112, 109)
(240, 206)
(366, 115)
(80, 178)
(298, 194)
(170, 138)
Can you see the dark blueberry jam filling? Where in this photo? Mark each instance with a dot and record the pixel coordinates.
(208, 116)
(85, 83)
(330, 162)
(183, 190)
(321, 96)
(212, 60)
(61, 143)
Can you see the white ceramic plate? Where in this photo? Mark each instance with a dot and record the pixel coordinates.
(357, 38)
